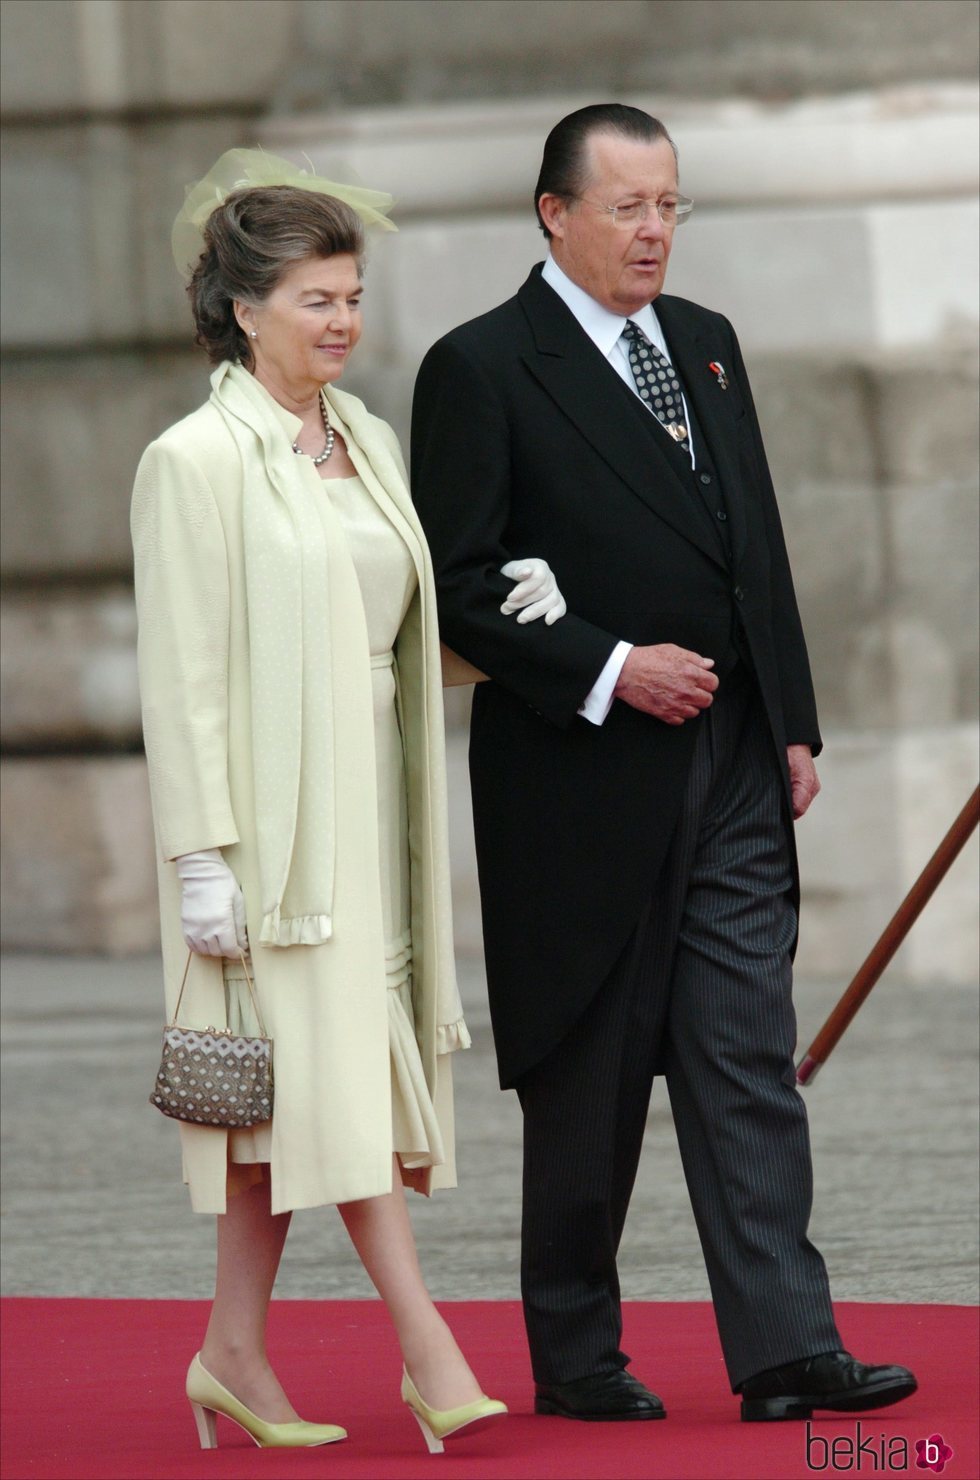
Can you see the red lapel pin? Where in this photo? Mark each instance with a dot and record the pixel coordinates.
(720, 372)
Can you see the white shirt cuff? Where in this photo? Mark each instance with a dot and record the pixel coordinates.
(599, 700)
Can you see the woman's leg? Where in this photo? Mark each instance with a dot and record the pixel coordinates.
(381, 1232)
(250, 1244)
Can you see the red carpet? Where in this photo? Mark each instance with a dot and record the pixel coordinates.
(93, 1390)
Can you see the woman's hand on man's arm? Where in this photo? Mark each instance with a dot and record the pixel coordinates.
(536, 594)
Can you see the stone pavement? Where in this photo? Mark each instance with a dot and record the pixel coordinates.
(93, 1205)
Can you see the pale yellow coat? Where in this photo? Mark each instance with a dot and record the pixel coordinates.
(325, 1008)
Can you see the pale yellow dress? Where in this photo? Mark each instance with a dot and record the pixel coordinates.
(386, 575)
(387, 579)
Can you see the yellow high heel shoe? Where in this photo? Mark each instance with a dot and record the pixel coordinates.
(437, 1424)
(208, 1398)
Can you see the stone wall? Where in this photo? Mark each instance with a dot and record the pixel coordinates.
(836, 226)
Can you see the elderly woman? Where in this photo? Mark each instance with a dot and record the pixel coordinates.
(291, 686)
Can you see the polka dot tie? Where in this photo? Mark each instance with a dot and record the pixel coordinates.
(656, 381)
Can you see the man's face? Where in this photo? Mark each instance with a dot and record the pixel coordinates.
(623, 269)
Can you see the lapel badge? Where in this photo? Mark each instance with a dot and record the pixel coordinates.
(720, 373)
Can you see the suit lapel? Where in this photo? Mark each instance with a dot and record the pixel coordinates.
(692, 353)
(587, 389)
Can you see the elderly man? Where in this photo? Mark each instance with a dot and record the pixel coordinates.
(648, 753)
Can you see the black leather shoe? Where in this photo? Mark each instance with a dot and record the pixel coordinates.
(833, 1380)
(608, 1397)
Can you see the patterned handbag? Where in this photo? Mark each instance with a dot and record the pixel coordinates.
(211, 1076)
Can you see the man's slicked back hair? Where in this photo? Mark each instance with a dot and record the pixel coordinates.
(564, 167)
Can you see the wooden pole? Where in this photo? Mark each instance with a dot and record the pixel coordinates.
(889, 941)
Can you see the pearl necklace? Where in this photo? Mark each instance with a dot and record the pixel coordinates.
(328, 448)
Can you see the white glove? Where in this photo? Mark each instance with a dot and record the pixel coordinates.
(212, 906)
(537, 595)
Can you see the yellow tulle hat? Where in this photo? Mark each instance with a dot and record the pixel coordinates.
(242, 169)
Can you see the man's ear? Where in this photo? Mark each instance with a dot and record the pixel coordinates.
(553, 209)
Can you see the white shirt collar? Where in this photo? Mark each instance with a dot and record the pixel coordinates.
(603, 327)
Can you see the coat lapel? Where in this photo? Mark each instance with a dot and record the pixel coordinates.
(587, 389)
(692, 352)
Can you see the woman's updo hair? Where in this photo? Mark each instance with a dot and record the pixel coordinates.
(250, 241)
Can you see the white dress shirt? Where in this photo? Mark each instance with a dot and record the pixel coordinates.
(605, 329)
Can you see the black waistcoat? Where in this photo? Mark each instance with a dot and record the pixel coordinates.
(707, 490)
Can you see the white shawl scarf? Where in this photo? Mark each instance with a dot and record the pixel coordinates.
(290, 669)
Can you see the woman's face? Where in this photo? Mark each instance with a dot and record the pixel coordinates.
(307, 327)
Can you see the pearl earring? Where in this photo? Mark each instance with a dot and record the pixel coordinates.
(253, 333)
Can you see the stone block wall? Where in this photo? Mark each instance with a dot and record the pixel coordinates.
(109, 107)
(837, 228)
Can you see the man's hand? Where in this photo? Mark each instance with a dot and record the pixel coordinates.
(803, 777)
(668, 682)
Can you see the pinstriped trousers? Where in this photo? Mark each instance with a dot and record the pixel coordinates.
(702, 993)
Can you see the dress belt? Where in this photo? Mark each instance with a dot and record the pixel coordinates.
(383, 660)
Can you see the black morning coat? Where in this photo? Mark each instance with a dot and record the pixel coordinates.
(525, 442)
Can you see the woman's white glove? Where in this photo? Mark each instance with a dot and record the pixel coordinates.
(212, 906)
(536, 595)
